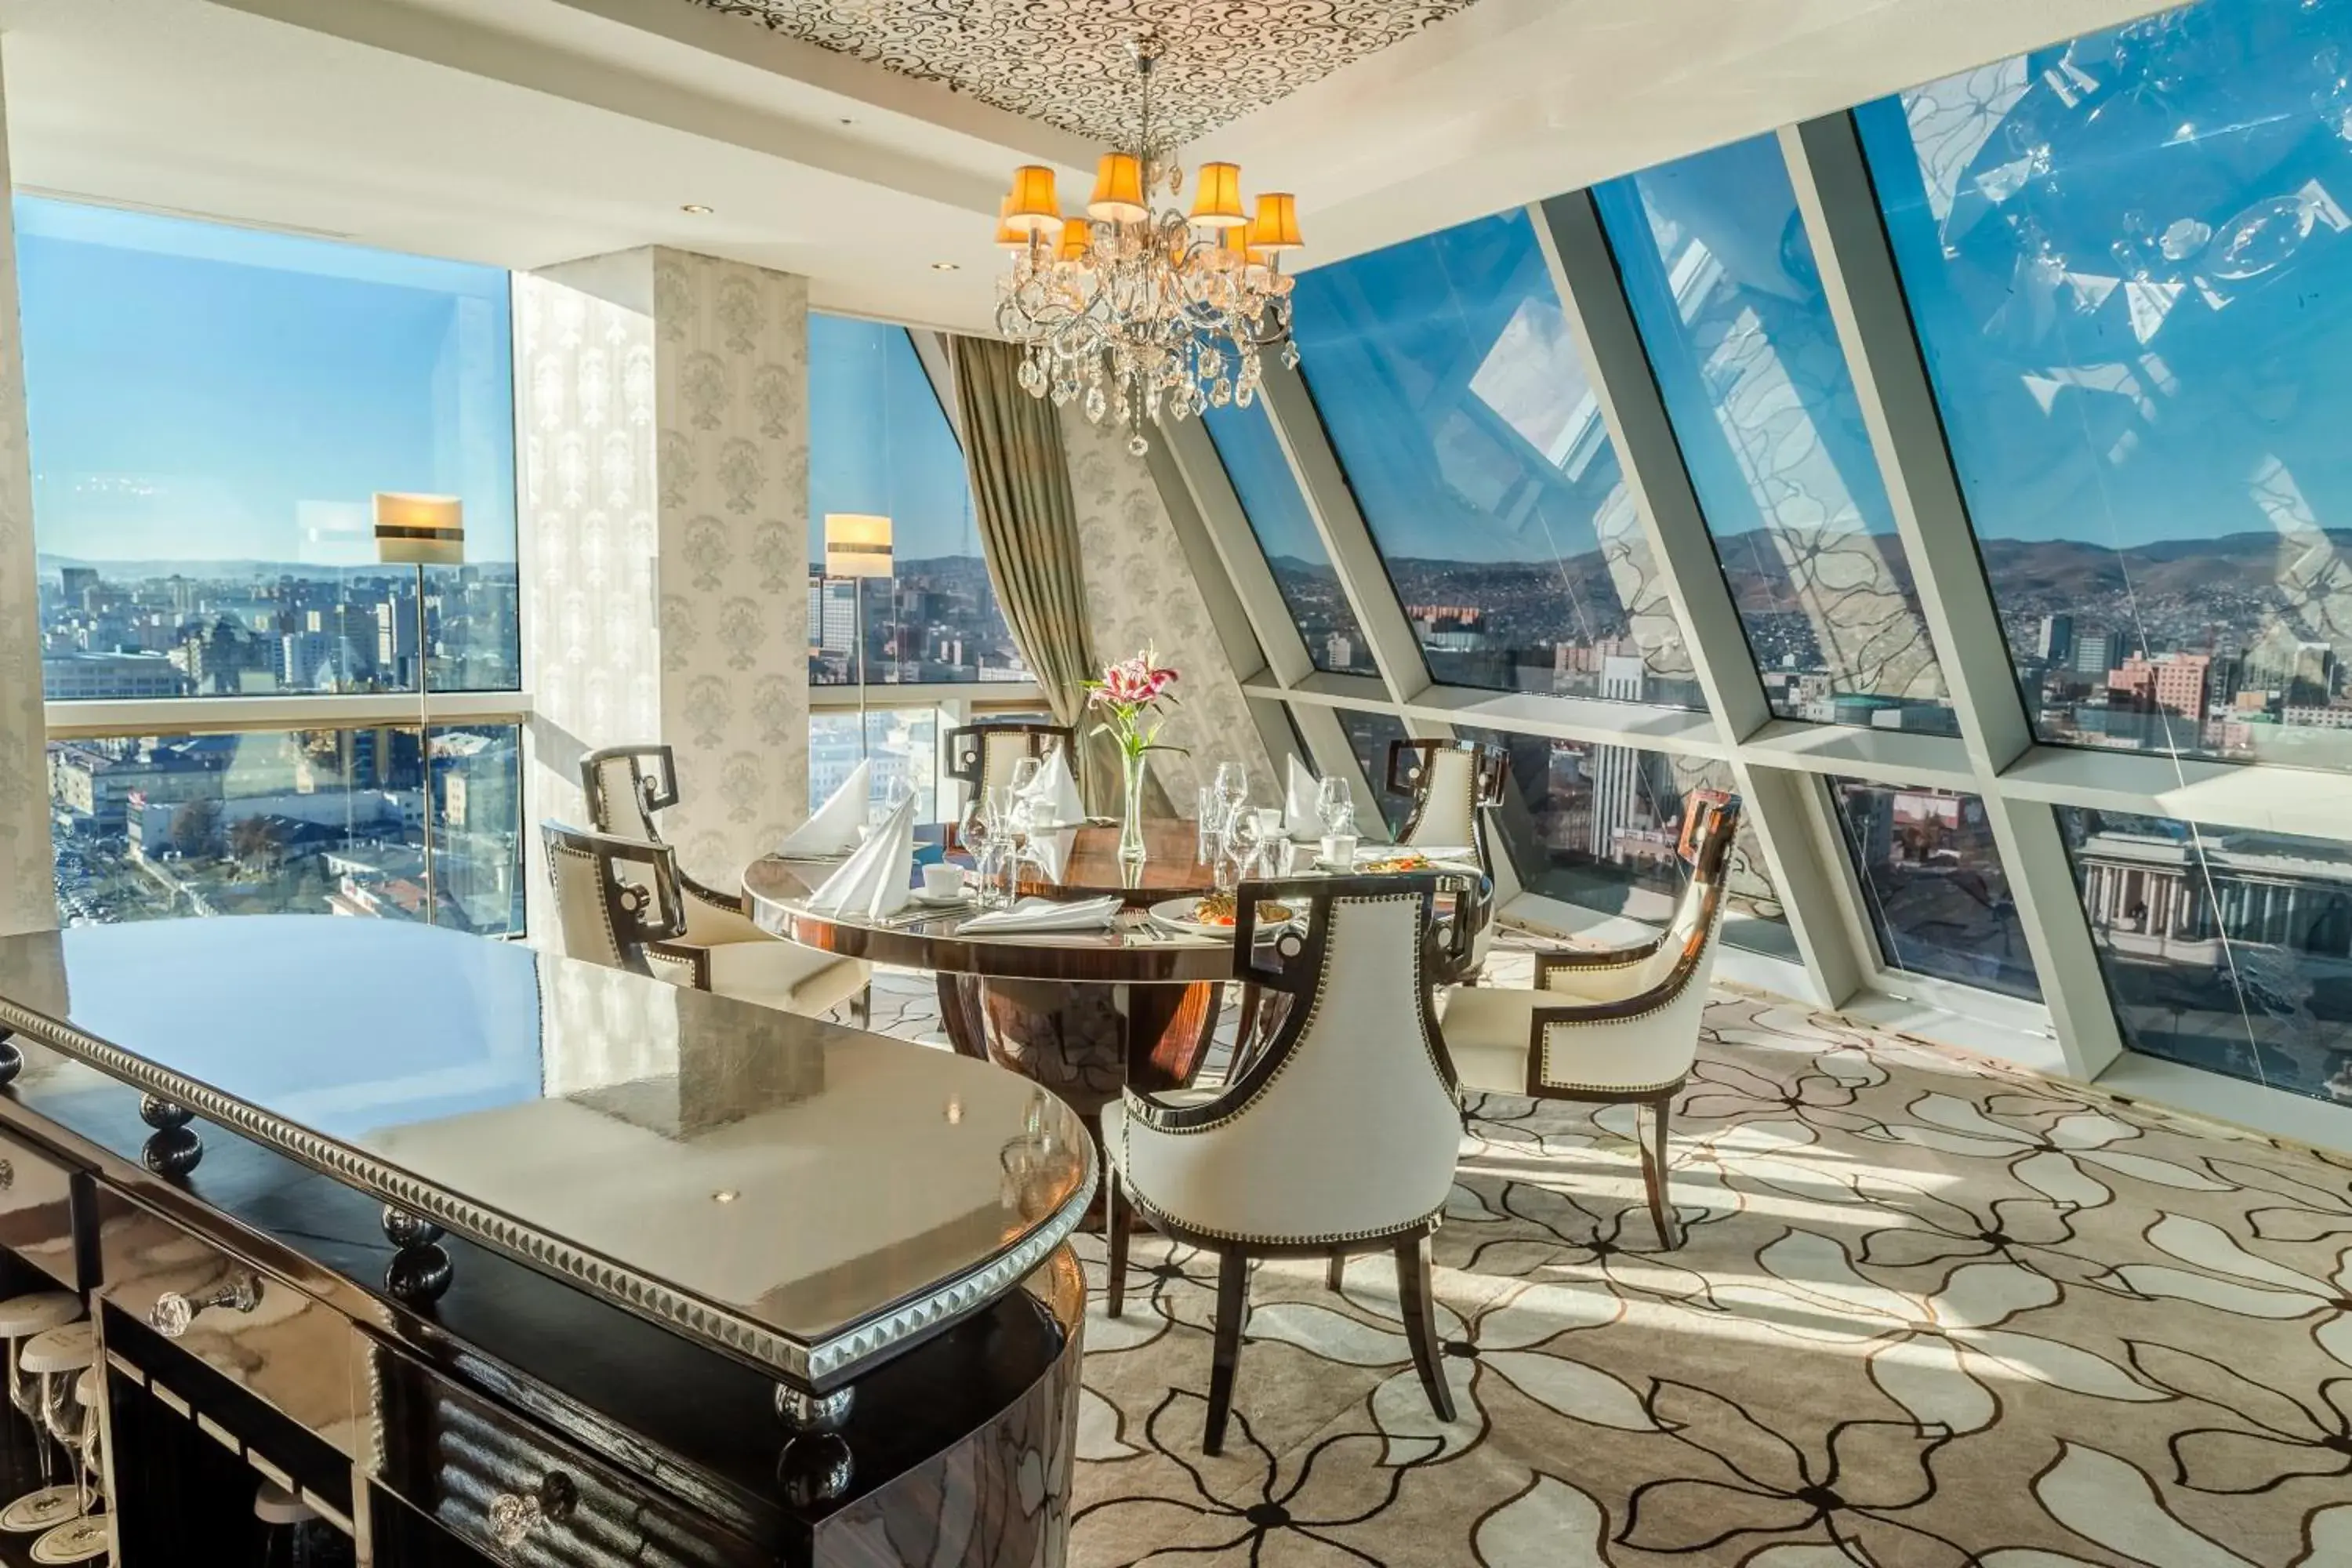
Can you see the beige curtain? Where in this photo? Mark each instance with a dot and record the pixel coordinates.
(1029, 535)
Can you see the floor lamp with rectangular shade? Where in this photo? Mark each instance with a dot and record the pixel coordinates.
(858, 546)
(420, 532)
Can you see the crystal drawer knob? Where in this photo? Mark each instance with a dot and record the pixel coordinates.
(513, 1516)
(174, 1312)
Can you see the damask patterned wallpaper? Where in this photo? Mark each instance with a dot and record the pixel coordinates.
(28, 876)
(1139, 590)
(662, 400)
(1067, 62)
(731, 374)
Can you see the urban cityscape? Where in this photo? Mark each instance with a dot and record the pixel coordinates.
(932, 621)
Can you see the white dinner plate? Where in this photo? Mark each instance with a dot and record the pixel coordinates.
(1176, 914)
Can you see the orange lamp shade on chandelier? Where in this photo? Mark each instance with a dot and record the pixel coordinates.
(1119, 190)
(1034, 209)
(1275, 227)
(1218, 203)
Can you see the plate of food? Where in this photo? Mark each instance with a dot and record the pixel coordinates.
(1212, 915)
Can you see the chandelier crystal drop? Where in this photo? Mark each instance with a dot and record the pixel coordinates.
(1134, 312)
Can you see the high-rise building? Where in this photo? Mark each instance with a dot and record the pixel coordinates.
(1615, 772)
(2174, 683)
(80, 582)
(2093, 652)
(2056, 641)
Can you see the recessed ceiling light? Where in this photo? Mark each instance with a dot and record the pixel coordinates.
(696, 208)
(946, 266)
(727, 1196)
(847, 121)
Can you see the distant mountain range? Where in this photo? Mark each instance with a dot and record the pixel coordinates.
(49, 565)
(2059, 573)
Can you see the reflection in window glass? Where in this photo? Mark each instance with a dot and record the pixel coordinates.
(210, 411)
(1456, 401)
(1722, 281)
(1598, 825)
(289, 822)
(2226, 950)
(881, 443)
(2129, 257)
(1933, 884)
(902, 744)
(1369, 736)
(1261, 477)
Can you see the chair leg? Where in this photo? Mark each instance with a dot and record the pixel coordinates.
(1115, 1239)
(1335, 1270)
(861, 1007)
(1420, 1309)
(1232, 1306)
(1654, 1169)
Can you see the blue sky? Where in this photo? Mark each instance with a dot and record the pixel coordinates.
(199, 391)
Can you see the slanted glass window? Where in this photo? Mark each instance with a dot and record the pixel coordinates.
(1261, 477)
(2129, 260)
(879, 444)
(1597, 826)
(289, 822)
(2223, 949)
(1932, 881)
(902, 745)
(1722, 281)
(211, 412)
(1457, 402)
(1369, 736)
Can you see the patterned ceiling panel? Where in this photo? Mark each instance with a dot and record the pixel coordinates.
(1066, 62)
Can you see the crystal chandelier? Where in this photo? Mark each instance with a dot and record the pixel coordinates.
(1133, 311)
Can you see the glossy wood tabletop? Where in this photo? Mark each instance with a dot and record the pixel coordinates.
(1133, 951)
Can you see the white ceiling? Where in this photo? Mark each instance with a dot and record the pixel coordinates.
(528, 131)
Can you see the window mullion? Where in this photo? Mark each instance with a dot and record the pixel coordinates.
(1238, 587)
(1839, 207)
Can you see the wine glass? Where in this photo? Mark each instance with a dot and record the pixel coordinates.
(1232, 785)
(1334, 806)
(974, 834)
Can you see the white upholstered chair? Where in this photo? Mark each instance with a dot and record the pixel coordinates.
(1615, 1026)
(1339, 1137)
(620, 902)
(1454, 786)
(980, 756)
(625, 786)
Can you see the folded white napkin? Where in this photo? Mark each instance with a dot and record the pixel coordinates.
(832, 829)
(876, 882)
(1044, 914)
(1052, 795)
(1299, 819)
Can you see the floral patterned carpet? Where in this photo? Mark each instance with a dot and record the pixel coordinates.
(1929, 1312)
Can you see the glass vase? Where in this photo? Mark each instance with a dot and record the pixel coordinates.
(1131, 812)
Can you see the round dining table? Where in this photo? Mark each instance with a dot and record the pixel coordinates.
(1083, 1013)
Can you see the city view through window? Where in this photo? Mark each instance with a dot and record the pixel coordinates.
(880, 445)
(211, 410)
(1456, 400)
(2129, 257)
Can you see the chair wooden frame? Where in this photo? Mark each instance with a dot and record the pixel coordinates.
(967, 745)
(1712, 849)
(642, 917)
(657, 791)
(1490, 778)
(1298, 973)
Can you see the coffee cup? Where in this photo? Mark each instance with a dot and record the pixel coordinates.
(942, 882)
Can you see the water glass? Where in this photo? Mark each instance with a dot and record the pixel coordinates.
(1208, 821)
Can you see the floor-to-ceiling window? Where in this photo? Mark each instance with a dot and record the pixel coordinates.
(211, 412)
(880, 446)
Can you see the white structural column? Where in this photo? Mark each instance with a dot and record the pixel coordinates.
(1785, 810)
(662, 413)
(1873, 324)
(27, 868)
